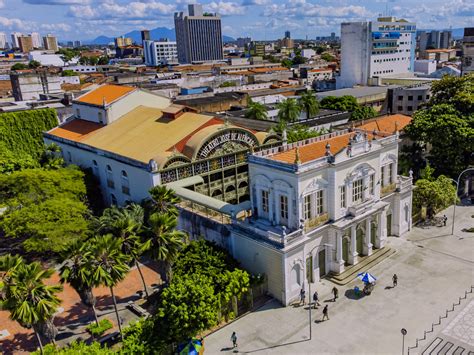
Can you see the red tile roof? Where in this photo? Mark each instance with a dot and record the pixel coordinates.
(106, 93)
(387, 124)
(75, 130)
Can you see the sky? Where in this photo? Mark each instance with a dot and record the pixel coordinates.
(258, 19)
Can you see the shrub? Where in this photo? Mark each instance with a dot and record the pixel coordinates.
(97, 330)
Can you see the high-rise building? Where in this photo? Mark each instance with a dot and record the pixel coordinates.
(375, 49)
(434, 40)
(198, 35)
(287, 34)
(50, 42)
(257, 49)
(468, 51)
(123, 41)
(15, 43)
(243, 41)
(25, 43)
(3, 40)
(159, 52)
(145, 35)
(77, 44)
(36, 38)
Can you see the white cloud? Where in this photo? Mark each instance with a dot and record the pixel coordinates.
(255, 2)
(226, 8)
(2, 4)
(56, 27)
(301, 8)
(56, 2)
(13, 23)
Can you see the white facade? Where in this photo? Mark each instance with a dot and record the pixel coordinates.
(3, 40)
(425, 66)
(308, 53)
(15, 41)
(323, 215)
(375, 49)
(46, 58)
(36, 39)
(160, 52)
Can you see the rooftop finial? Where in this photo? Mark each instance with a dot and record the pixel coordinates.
(297, 156)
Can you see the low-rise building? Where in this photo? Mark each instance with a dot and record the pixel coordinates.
(440, 55)
(408, 99)
(468, 51)
(30, 85)
(425, 66)
(210, 102)
(160, 52)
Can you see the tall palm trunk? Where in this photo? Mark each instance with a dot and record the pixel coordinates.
(39, 339)
(141, 276)
(47, 329)
(88, 298)
(307, 113)
(116, 310)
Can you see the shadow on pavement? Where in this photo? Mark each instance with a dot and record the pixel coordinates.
(227, 349)
(352, 295)
(19, 343)
(275, 346)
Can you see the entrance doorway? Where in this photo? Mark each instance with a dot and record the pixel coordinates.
(359, 240)
(389, 225)
(345, 249)
(373, 233)
(322, 262)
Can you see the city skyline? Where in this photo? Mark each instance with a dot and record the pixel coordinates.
(260, 19)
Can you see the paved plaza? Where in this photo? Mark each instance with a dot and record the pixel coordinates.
(434, 269)
(73, 316)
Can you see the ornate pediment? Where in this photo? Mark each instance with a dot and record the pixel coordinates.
(314, 185)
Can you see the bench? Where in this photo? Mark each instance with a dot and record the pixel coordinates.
(110, 339)
(138, 310)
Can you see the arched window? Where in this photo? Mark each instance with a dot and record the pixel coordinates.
(125, 183)
(110, 177)
(113, 199)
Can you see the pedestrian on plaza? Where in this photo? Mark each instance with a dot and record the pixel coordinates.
(395, 280)
(325, 313)
(335, 293)
(302, 296)
(316, 299)
(233, 337)
(445, 219)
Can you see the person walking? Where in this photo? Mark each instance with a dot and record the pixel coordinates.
(445, 219)
(395, 280)
(325, 313)
(316, 299)
(233, 337)
(335, 293)
(302, 296)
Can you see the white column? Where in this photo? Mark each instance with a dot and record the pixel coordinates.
(379, 230)
(353, 252)
(271, 205)
(367, 243)
(383, 228)
(339, 264)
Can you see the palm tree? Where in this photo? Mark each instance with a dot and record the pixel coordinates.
(8, 263)
(256, 111)
(166, 241)
(163, 200)
(126, 224)
(30, 302)
(108, 264)
(288, 110)
(75, 270)
(309, 104)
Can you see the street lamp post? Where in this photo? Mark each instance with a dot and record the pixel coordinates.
(309, 278)
(404, 332)
(456, 195)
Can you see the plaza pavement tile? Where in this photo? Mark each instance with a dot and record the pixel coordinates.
(23, 341)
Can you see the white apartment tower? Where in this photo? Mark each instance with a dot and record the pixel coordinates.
(198, 35)
(15, 39)
(36, 39)
(375, 49)
(3, 40)
(159, 52)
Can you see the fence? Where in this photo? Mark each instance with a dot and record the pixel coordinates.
(418, 340)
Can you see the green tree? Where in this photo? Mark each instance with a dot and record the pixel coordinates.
(309, 104)
(363, 113)
(166, 241)
(188, 306)
(287, 63)
(328, 57)
(288, 110)
(76, 348)
(108, 265)
(33, 64)
(126, 224)
(8, 263)
(298, 59)
(68, 72)
(342, 103)
(51, 158)
(30, 302)
(75, 271)
(104, 60)
(19, 66)
(256, 111)
(163, 200)
(227, 84)
(435, 195)
(68, 54)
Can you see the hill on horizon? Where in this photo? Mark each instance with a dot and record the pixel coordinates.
(155, 34)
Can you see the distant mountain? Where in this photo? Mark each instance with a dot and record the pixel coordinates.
(156, 34)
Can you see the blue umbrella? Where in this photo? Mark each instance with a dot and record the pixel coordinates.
(366, 277)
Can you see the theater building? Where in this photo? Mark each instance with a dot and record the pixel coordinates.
(133, 140)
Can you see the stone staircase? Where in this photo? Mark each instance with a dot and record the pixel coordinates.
(365, 263)
(441, 346)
